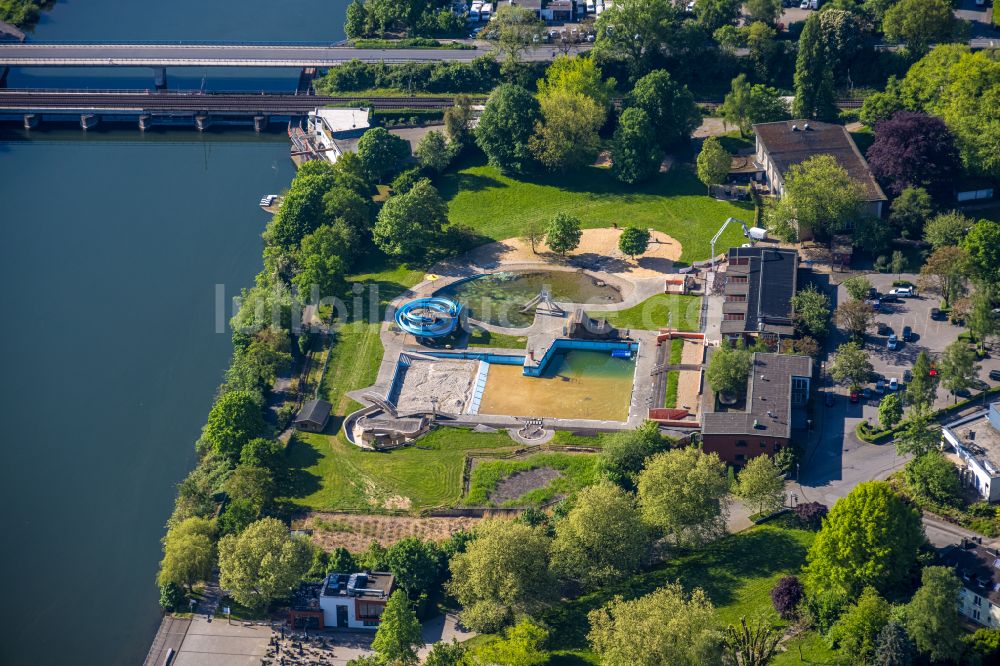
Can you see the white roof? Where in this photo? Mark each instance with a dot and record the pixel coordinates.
(343, 120)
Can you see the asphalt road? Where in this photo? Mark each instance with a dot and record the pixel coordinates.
(229, 55)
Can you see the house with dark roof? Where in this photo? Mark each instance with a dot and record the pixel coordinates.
(978, 569)
(772, 415)
(313, 416)
(760, 283)
(788, 142)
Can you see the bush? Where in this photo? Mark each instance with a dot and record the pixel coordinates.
(810, 514)
(786, 596)
(172, 597)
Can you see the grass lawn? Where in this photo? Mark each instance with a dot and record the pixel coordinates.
(670, 396)
(677, 311)
(736, 572)
(499, 207)
(676, 351)
(481, 338)
(735, 142)
(814, 650)
(577, 471)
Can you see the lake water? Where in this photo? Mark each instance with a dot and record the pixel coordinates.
(112, 244)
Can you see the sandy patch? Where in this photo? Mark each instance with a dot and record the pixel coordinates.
(692, 352)
(519, 483)
(688, 385)
(355, 532)
(448, 382)
(598, 250)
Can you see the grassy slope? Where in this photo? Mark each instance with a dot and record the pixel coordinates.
(682, 312)
(577, 472)
(481, 338)
(499, 207)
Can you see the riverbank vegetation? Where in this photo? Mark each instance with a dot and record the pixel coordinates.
(20, 13)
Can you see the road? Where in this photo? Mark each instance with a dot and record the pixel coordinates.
(229, 55)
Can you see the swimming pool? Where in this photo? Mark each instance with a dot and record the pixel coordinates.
(497, 298)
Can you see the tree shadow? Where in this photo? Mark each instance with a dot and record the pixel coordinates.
(293, 479)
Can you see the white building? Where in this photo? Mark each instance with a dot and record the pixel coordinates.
(355, 601)
(976, 440)
(977, 569)
(333, 132)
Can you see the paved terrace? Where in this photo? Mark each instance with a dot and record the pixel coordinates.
(227, 55)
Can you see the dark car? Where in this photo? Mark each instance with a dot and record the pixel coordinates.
(995, 375)
(884, 328)
(854, 396)
(907, 333)
(873, 293)
(935, 314)
(877, 304)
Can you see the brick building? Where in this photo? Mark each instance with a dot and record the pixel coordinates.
(760, 283)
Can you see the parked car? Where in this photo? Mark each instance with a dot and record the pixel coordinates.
(866, 393)
(907, 334)
(889, 298)
(893, 384)
(903, 292)
(936, 314)
(884, 328)
(892, 342)
(907, 376)
(854, 396)
(873, 293)
(804, 4)
(880, 386)
(877, 304)
(995, 375)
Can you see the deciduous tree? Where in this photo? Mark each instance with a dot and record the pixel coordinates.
(933, 476)
(786, 595)
(633, 241)
(624, 453)
(261, 563)
(982, 243)
(922, 388)
(506, 127)
(958, 367)
(188, 553)
(382, 153)
(235, 419)
(409, 223)
(812, 312)
(713, 162)
(566, 137)
(919, 23)
(729, 369)
(856, 632)
(857, 287)
(683, 493)
(946, 229)
(746, 105)
(634, 154)
(946, 272)
(890, 411)
(433, 151)
(851, 365)
(932, 619)
(914, 150)
(820, 197)
(521, 644)
(855, 317)
(563, 233)
(910, 210)
(669, 105)
(398, 635)
(761, 484)
(768, 11)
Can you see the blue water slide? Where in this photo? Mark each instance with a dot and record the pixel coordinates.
(429, 317)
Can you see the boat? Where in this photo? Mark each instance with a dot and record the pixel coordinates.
(267, 200)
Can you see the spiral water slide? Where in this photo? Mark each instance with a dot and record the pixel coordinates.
(433, 317)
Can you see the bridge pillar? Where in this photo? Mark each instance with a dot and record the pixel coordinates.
(144, 122)
(260, 123)
(4, 71)
(160, 76)
(88, 121)
(31, 121)
(201, 122)
(306, 77)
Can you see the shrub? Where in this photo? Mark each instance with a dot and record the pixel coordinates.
(786, 596)
(810, 514)
(171, 597)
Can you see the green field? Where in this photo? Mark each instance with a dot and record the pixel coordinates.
(499, 207)
(674, 310)
(670, 395)
(483, 338)
(577, 471)
(736, 572)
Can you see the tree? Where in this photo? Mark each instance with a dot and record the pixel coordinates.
(932, 619)
(729, 369)
(321, 269)
(669, 105)
(855, 317)
(416, 564)
(916, 436)
(262, 563)
(890, 411)
(752, 643)
(897, 263)
(409, 224)
(858, 287)
(812, 312)
(945, 272)
(810, 515)
(958, 367)
(579, 76)
(533, 235)
(922, 388)
(910, 210)
(664, 627)
(820, 198)
(893, 646)
(433, 151)
(634, 155)
(814, 85)
(567, 136)
(914, 150)
(761, 484)
(985, 644)
(713, 14)
(632, 34)
(516, 27)
(456, 121)
(746, 104)
(624, 453)
(713, 162)
(870, 538)
(982, 243)
(683, 492)
(880, 106)
(262, 452)
(763, 47)
(768, 11)
(933, 476)
(253, 485)
(563, 233)
(172, 597)
(354, 27)
(981, 321)
(841, 33)
(856, 632)
(382, 153)
(602, 537)
(398, 635)
(946, 229)
(235, 419)
(919, 23)
(633, 241)
(786, 595)
(506, 127)
(446, 654)
(503, 573)
(188, 553)
(521, 645)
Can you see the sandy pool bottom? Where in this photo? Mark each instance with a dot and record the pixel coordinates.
(577, 385)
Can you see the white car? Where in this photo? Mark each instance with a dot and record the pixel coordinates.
(804, 4)
(902, 292)
(690, 6)
(893, 384)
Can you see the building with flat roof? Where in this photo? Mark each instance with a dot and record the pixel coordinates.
(355, 601)
(773, 413)
(976, 440)
(785, 143)
(333, 132)
(977, 569)
(760, 283)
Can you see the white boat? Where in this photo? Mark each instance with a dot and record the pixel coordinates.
(486, 10)
(267, 200)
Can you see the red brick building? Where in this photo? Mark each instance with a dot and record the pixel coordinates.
(770, 417)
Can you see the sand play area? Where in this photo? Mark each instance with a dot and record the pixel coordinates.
(449, 382)
(598, 250)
